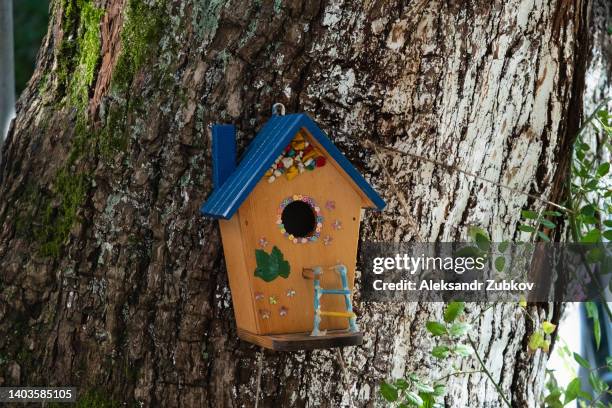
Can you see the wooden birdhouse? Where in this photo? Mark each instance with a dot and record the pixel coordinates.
(289, 215)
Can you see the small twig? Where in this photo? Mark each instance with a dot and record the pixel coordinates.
(486, 371)
(347, 385)
(369, 143)
(456, 373)
(258, 382)
(482, 312)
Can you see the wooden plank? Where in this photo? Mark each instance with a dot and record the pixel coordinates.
(238, 275)
(258, 216)
(303, 341)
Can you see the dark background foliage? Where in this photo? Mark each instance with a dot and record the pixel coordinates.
(30, 18)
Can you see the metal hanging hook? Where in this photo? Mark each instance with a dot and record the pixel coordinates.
(278, 109)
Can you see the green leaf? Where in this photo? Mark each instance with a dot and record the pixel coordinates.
(459, 329)
(388, 392)
(603, 169)
(595, 255)
(270, 267)
(548, 327)
(582, 361)
(572, 390)
(547, 223)
(598, 385)
(543, 236)
(474, 231)
(428, 400)
(588, 210)
(279, 263)
(401, 384)
(439, 390)
(483, 242)
(463, 350)
(467, 252)
(608, 234)
(593, 313)
(454, 309)
(440, 352)
(526, 228)
(608, 223)
(503, 246)
(553, 213)
(428, 389)
(529, 214)
(500, 263)
(436, 328)
(414, 399)
(536, 341)
(591, 237)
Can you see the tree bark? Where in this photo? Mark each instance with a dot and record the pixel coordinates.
(112, 281)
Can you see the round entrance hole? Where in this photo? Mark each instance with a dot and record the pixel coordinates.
(299, 219)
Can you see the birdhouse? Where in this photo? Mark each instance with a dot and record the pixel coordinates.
(289, 214)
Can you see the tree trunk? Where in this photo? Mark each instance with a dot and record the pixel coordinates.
(113, 282)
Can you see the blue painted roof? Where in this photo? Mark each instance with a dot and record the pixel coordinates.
(269, 143)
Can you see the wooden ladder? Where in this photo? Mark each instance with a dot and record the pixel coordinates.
(315, 273)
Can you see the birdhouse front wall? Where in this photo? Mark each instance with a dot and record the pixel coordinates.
(286, 304)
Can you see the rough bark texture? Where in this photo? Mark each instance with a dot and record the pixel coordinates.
(113, 282)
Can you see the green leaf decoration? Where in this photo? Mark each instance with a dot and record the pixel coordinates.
(388, 392)
(270, 267)
(453, 310)
(436, 328)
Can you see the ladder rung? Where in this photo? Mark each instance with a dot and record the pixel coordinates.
(336, 314)
(335, 291)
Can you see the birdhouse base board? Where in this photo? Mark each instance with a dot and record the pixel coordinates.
(302, 341)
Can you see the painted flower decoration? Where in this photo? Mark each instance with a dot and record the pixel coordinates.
(273, 300)
(283, 311)
(263, 242)
(259, 296)
(330, 205)
(290, 293)
(327, 240)
(265, 314)
(337, 225)
(318, 218)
